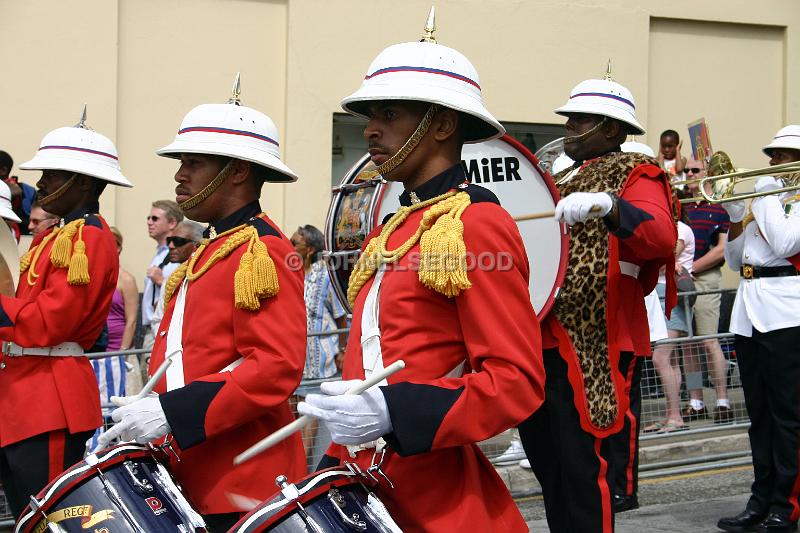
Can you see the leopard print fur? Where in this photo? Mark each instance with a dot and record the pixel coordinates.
(581, 303)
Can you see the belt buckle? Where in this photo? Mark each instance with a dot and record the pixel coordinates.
(748, 271)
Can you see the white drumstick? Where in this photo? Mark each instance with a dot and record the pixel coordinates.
(148, 387)
(271, 440)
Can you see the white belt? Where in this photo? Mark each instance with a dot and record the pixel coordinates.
(65, 349)
(629, 269)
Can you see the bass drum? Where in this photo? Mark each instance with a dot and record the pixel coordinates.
(505, 167)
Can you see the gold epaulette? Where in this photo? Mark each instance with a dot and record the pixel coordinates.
(255, 279)
(62, 254)
(443, 254)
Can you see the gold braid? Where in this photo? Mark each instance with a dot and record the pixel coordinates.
(62, 254)
(442, 251)
(255, 279)
(750, 217)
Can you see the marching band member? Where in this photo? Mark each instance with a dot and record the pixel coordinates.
(764, 245)
(235, 325)
(417, 298)
(619, 209)
(50, 406)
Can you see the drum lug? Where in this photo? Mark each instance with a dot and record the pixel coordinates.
(141, 485)
(338, 503)
(291, 493)
(52, 527)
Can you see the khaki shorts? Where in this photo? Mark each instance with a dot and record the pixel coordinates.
(706, 307)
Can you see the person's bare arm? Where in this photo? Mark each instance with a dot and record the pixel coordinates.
(130, 295)
(713, 257)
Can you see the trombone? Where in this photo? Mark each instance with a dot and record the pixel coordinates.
(723, 179)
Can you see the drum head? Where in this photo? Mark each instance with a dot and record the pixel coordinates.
(505, 167)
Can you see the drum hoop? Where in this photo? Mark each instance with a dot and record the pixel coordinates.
(76, 474)
(551, 186)
(282, 507)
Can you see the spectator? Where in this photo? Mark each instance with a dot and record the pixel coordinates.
(163, 218)
(669, 155)
(22, 194)
(324, 354)
(709, 224)
(121, 324)
(665, 357)
(182, 242)
(40, 220)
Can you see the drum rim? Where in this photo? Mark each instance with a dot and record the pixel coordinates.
(259, 516)
(75, 475)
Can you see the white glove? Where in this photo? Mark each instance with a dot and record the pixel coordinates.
(142, 421)
(583, 206)
(767, 183)
(352, 419)
(736, 210)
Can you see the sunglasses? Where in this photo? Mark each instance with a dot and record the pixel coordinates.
(153, 218)
(694, 170)
(177, 242)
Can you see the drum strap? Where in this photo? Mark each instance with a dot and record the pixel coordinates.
(371, 354)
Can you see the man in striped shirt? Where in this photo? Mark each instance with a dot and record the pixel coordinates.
(709, 223)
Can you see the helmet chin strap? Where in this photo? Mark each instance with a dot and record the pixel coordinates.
(586, 135)
(58, 193)
(209, 189)
(397, 159)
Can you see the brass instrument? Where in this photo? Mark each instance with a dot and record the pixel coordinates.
(723, 178)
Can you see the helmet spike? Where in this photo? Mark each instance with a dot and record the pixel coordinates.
(607, 77)
(82, 122)
(236, 91)
(430, 27)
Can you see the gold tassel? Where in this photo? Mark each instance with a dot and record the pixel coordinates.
(78, 273)
(25, 260)
(443, 257)
(265, 276)
(244, 293)
(61, 252)
(174, 280)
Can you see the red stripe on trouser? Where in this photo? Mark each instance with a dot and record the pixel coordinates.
(633, 433)
(605, 493)
(55, 452)
(794, 495)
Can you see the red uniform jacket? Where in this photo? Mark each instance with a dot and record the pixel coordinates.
(443, 482)
(646, 237)
(217, 415)
(42, 394)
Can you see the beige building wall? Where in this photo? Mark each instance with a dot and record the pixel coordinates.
(142, 64)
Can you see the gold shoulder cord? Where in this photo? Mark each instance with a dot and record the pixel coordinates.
(255, 279)
(62, 254)
(441, 242)
(750, 217)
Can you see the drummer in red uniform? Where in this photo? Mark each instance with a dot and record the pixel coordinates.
(619, 211)
(235, 325)
(468, 335)
(49, 404)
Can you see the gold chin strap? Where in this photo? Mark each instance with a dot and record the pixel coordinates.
(209, 189)
(582, 136)
(58, 193)
(397, 159)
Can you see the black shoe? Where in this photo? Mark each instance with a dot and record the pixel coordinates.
(775, 522)
(625, 503)
(747, 520)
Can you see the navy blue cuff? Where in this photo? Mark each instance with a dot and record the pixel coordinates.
(416, 411)
(630, 217)
(5, 320)
(186, 408)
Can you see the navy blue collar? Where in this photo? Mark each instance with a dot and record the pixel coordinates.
(88, 209)
(237, 218)
(439, 184)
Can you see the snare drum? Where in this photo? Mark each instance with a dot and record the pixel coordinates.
(328, 501)
(505, 167)
(123, 489)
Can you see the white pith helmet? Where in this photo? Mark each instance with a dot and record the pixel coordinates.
(427, 72)
(5, 204)
(787, 137)
(637, 147)
(81, 150)
(231, 130)
(605, 98)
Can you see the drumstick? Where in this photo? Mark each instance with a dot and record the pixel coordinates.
(273, 439)
(148, 387)
(548, 214)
